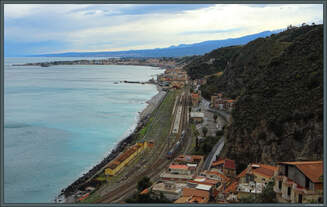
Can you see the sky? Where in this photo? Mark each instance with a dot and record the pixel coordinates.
(56, 28)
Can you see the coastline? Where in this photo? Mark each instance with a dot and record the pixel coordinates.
(85, 180)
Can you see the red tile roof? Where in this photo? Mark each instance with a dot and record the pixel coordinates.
(195, 95)
(172, 166)
(312, 169)
(228, 164)
(195, 192)
(231, 188)
(145, 191)
(197, 199)
(217, 173)
(263, 170)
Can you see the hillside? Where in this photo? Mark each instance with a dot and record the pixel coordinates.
(172, 51)
(278, 83)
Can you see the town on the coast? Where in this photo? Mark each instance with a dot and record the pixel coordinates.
(174, 156)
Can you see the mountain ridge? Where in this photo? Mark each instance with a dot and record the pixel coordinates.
(180, 50)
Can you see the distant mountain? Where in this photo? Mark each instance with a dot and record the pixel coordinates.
(172, 51)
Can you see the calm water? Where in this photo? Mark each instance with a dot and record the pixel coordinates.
(62, 120)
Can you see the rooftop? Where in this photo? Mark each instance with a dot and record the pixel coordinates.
(312, 169)
(173, 166)
(261, 169)
(203, 187)
(197, 114)
(195, 192)
(228, 164)
(231, 188)
(216, 173)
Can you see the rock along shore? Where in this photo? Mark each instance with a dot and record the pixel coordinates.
(82, 182)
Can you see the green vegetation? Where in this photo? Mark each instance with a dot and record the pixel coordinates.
(148, 197)
(143, 184)
(205, 131)
(205, 146)
(211, 63)
(278, 83)
(215, 116)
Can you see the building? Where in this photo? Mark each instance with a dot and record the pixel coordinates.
(189, 159)
(197, 116)
(195, 97)
(228, 104)
(124, 158)
(254, 178)
(299, 182)
(192, 195)
(179, 173)
(215, 175)
(213, 101)
(211, 185)
(226, 166)
(196, 160)
(230, 193)
(171, 190)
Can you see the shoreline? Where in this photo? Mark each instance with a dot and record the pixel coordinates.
(83, 181)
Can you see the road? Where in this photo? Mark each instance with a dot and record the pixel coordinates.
(214, 152)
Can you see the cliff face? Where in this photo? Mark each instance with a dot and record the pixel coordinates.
(278, 83)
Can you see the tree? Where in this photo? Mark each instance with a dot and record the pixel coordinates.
(268, 194)
(219, 133)
(215, 116)
(143, 183)
(205, 131)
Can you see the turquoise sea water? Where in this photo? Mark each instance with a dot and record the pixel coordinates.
(62, 120)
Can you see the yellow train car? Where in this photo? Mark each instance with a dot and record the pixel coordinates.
(124, 158)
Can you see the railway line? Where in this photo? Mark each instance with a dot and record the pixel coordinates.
(158, 162)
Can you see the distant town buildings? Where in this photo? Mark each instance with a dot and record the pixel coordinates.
(173, 78)
(219, 102)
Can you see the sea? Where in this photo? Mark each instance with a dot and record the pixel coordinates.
(60, 121)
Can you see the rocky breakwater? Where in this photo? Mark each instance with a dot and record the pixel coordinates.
(85, 181)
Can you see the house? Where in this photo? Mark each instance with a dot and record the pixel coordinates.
(197, 116)
(215, 175)
(191, 195)
(226, 166)
(171, 190)
(196, 160)
(299, 182)
(195, 99)
(254, 178)
(204, 183)
(230, 192)
(228, 104)
(178, 173)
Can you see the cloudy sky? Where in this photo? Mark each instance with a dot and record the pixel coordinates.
(54, 28)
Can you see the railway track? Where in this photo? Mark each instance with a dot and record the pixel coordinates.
(158, 162)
